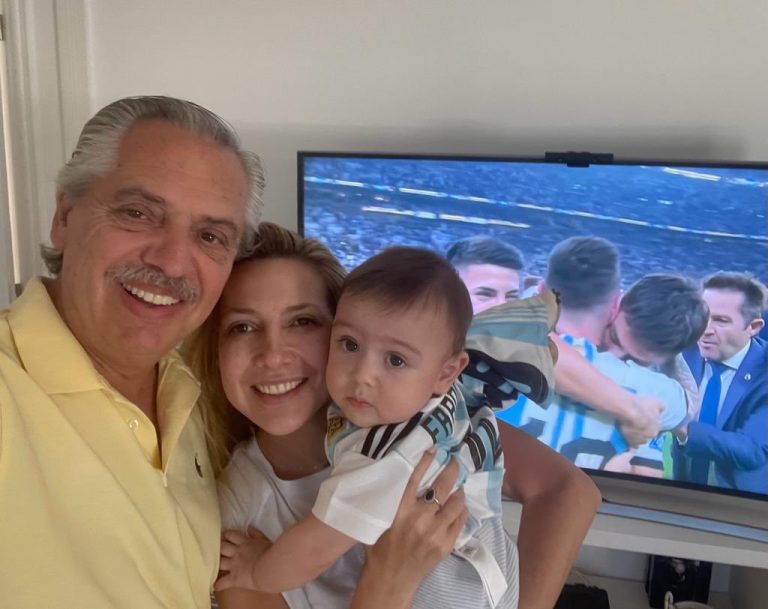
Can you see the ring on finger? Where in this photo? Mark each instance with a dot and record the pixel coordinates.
(430, 496)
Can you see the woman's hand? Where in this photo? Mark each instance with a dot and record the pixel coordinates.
(422, 534)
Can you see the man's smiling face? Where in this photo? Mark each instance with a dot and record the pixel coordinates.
(147, 249)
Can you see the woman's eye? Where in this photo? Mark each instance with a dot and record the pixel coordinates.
(241, 328)
(304, 321)
(348, 345)
(395, 361)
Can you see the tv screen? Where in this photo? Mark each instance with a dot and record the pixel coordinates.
(617, 238)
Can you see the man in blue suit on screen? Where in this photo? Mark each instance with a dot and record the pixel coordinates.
(726, 444)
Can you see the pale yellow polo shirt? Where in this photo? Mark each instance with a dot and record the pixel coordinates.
(89, 517)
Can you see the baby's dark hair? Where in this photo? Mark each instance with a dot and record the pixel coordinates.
(403, 277)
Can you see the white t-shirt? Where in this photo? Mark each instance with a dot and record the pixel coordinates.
(252, 495)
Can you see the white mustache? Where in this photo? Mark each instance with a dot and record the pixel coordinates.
(179, 287)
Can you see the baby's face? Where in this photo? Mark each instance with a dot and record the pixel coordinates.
(384, 366)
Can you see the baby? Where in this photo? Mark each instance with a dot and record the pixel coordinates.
(397, 350)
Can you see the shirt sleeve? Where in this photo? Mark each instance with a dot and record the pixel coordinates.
(361, 497)
(510, 353)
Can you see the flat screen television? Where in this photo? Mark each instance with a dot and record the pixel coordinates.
(686, 218)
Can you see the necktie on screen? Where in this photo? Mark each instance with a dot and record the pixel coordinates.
(708, 415)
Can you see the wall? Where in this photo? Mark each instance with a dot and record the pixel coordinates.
(661, 78)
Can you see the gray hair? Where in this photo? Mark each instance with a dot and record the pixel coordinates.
(99, 143)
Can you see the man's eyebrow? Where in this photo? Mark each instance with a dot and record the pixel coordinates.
(222, 223)
(721, 316)
(134, 192)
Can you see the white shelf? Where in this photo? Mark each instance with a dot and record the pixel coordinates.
(632, 535)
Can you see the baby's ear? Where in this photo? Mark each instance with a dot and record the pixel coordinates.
(450, 371)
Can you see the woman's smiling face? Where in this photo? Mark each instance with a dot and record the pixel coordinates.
(275, 324)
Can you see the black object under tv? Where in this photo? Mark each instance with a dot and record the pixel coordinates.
(581, 596)
(688, 217)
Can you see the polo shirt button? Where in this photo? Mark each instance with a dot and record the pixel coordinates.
(133, 424)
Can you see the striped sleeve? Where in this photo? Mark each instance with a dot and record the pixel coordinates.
(510, 350)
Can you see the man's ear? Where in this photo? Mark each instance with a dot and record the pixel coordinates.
(755, 326)
(450, 371)
(59, 224)
(615, 302)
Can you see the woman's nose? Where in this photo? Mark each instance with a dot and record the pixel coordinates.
(275, 352)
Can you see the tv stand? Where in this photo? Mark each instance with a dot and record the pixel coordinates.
(631, 534)
(683, 520)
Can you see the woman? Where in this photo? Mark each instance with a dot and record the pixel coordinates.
(269, 335)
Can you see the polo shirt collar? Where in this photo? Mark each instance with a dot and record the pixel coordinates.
(53, 356)
(47, 348)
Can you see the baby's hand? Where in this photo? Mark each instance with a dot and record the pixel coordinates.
(239, 555)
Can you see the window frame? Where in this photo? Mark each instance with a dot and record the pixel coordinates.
(48, 99)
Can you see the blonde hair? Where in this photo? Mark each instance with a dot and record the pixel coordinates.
(224, 426)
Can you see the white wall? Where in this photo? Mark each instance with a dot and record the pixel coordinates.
(660, 78)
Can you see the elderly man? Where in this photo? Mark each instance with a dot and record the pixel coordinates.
(106, 494)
